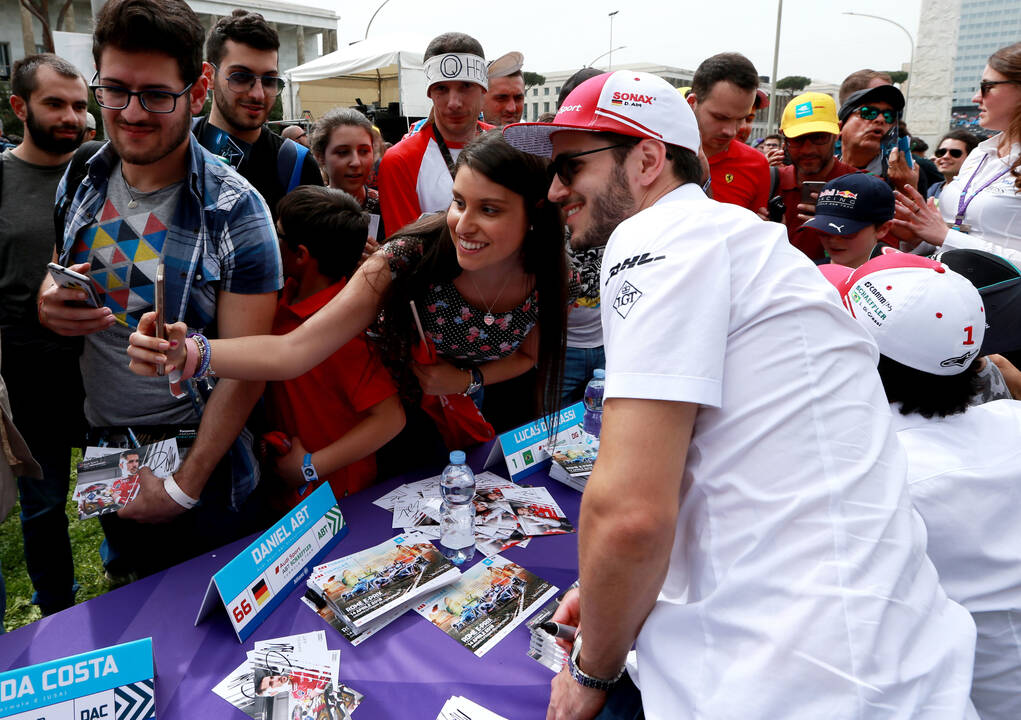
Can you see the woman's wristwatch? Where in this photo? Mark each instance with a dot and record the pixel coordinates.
(583, 678)
(476, 382)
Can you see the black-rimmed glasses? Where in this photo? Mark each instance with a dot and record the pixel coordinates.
(986, 85)
(243, 81)
(867, 112)
(954, 152)
(815, 138)
(115, 97)
(564, 167)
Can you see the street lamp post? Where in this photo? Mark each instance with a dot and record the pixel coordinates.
(911, 40)
(593, 61)
(610, 64)
(771, 122)
(373, 18)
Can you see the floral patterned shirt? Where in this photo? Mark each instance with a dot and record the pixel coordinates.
(457, 328)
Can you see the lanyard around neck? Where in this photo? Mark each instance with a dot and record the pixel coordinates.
(964, 201)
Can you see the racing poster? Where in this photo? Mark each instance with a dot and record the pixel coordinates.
(491, 599)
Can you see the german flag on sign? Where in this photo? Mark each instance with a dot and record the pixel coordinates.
(261, 592)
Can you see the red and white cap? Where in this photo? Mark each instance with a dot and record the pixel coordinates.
(921, 313)
(630, 103)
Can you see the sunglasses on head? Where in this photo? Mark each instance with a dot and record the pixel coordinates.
(564, 167)
(867, 112)
(954, 152)
(986, 85)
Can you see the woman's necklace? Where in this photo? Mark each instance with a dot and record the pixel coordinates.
(489, 318)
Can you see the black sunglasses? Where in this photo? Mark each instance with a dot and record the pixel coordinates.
(986, 85)
(564, 167)
(954, 152)
(867, 112)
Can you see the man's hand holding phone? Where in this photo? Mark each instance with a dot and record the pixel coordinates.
(66, 307)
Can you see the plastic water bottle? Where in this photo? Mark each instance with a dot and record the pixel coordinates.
(457, 517)
(593, 420)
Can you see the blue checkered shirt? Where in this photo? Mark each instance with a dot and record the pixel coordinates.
(221, 238)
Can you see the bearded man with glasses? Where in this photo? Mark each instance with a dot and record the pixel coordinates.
(810, 130)
(242, 51)
(154, 195)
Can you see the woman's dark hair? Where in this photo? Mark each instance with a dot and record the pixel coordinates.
(543, 257)
(330, 223)
(926, 394)
(1007, 62)
(166, 26)
(969, 140)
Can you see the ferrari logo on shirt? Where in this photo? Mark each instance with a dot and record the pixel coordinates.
(626, 299)
(729, 177)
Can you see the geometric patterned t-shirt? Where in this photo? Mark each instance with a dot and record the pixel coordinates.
(125, 245)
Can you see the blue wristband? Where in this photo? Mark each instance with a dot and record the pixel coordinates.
(308, 472)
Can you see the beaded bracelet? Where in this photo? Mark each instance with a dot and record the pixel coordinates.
(205, 355)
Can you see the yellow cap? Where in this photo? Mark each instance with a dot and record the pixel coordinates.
(809, 113)
(684, 90)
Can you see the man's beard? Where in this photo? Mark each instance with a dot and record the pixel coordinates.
(45, 138)
(172, 135)
(609, 209)
(232, 115)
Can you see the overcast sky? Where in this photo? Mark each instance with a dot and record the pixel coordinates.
(816, 39)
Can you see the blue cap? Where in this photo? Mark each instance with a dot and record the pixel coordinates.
(849, 203)
(457, 457)
(599, 373)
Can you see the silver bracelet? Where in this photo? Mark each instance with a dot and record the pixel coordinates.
(178, 495)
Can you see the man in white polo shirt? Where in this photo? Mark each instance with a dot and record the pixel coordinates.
(747, 524)
(964, 459)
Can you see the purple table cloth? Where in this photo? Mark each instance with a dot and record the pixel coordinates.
(406, 671)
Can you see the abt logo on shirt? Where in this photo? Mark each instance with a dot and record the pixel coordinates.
(626, 299)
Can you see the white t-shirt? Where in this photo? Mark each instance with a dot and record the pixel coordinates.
(964, 477)
(995, 213)
(798, 585)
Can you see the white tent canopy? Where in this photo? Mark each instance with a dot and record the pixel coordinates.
(400, 51)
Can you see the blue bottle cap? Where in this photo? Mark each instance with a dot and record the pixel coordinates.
(457, 457)
(599, 373)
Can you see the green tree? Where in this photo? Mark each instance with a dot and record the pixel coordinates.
(797, 83)
(532, 78)
(898, 76)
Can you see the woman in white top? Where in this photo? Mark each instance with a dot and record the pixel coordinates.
(981, 207)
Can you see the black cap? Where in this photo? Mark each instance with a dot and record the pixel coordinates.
(851, 202)
(883, 93)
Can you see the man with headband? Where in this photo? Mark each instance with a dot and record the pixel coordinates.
(415, 175)
(747, 526)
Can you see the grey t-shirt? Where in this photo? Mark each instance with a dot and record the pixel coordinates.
(27, 237)
(113, 394)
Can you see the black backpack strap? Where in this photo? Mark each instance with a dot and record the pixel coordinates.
(774, 180)
(290, 160)
(75, 174)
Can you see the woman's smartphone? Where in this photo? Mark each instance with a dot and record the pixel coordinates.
(76, 281)
(160, 331)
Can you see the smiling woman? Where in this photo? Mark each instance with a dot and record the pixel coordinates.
(485, 277)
